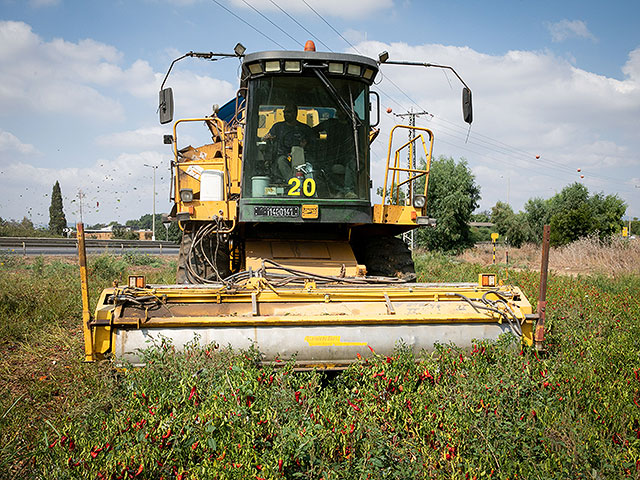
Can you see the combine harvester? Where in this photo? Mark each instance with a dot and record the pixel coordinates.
(282, 247)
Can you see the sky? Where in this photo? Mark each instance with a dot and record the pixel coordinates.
(556, 90)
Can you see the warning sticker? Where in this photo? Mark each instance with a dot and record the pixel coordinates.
(194, 171)
(330, 341)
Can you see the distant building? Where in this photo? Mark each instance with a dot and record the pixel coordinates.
(144, 234)
(106, 233)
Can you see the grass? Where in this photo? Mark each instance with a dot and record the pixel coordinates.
(494, 412)
(587, 255)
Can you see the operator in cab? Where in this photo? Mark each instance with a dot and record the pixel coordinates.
(287, 135)
(338, 154)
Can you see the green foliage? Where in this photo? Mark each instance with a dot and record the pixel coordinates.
(513, 228)
(451, 198)
(36, 296)
(24, 228)
(537, 216)
(145, 222)
(124, 233)
(484, 216)
(572, 214)
(607, 213)
(570, 225)
(136, 259)
(57, 220)
(575, 215)
(395, 196)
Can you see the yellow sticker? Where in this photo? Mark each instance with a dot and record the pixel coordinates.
(330, 341)
(309, 211)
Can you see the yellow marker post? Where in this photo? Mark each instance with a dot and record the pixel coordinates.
(494, 237)
(84, 282)
(625, 232)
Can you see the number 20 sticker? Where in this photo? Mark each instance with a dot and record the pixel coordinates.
(308, 187)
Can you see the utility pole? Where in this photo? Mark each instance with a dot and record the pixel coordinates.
(80, 197)
(409, 237)
(153, 219)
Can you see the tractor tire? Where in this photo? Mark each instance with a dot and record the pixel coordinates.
(198, 263)
(387, 257)
(185, 245)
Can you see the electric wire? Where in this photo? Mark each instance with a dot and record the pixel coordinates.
(270, 21)
(248, 24)
(300, 25)
(330, 26)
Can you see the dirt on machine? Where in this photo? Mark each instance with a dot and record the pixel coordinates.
(283, 247)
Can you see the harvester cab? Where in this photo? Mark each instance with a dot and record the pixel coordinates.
(282, 247)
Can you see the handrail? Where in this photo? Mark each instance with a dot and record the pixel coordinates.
(219, 125)
(396, 169)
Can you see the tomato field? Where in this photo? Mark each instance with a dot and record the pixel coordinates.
(496, 411)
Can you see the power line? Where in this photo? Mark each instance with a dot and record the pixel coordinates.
(330, 26)
(247, 23)
(270, 21)
(301, 26)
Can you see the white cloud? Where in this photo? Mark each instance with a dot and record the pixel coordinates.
(525, 104)
(196, 94)
(334, 8)
(86, 79)
(43, 3)
(141, 138)
(565, 29)
(632, 68)
(80, 79)
(10, 144)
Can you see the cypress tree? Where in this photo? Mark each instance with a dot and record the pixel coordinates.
(57, 220)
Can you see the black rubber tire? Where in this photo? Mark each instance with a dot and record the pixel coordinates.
(198, 263)
(386, 256)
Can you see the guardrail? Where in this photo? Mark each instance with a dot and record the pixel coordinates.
(24, 243)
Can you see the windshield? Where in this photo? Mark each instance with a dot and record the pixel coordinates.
(301, 143)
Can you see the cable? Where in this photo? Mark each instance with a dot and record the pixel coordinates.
(247, 23)
(301, 26)
(330, 26)
(270, 21)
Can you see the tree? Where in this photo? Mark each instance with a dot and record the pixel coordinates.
(607, 213)
(452, 196)
(569, 225)
(514, 228)
(569, 198)
(123, 233)
(57, 220)
(574, 214)
(537, 216)
(502, 217)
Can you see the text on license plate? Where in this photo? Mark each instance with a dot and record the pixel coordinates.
(276, 211)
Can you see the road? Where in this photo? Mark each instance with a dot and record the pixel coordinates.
(68, 246)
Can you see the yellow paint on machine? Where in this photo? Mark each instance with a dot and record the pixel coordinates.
(330, 341)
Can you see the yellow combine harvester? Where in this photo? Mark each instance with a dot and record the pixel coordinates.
(282, 246)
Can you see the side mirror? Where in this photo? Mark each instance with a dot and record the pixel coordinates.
(165, 106)
(375, 94)
(467, 107)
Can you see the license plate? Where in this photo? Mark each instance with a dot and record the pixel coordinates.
(276, 211)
